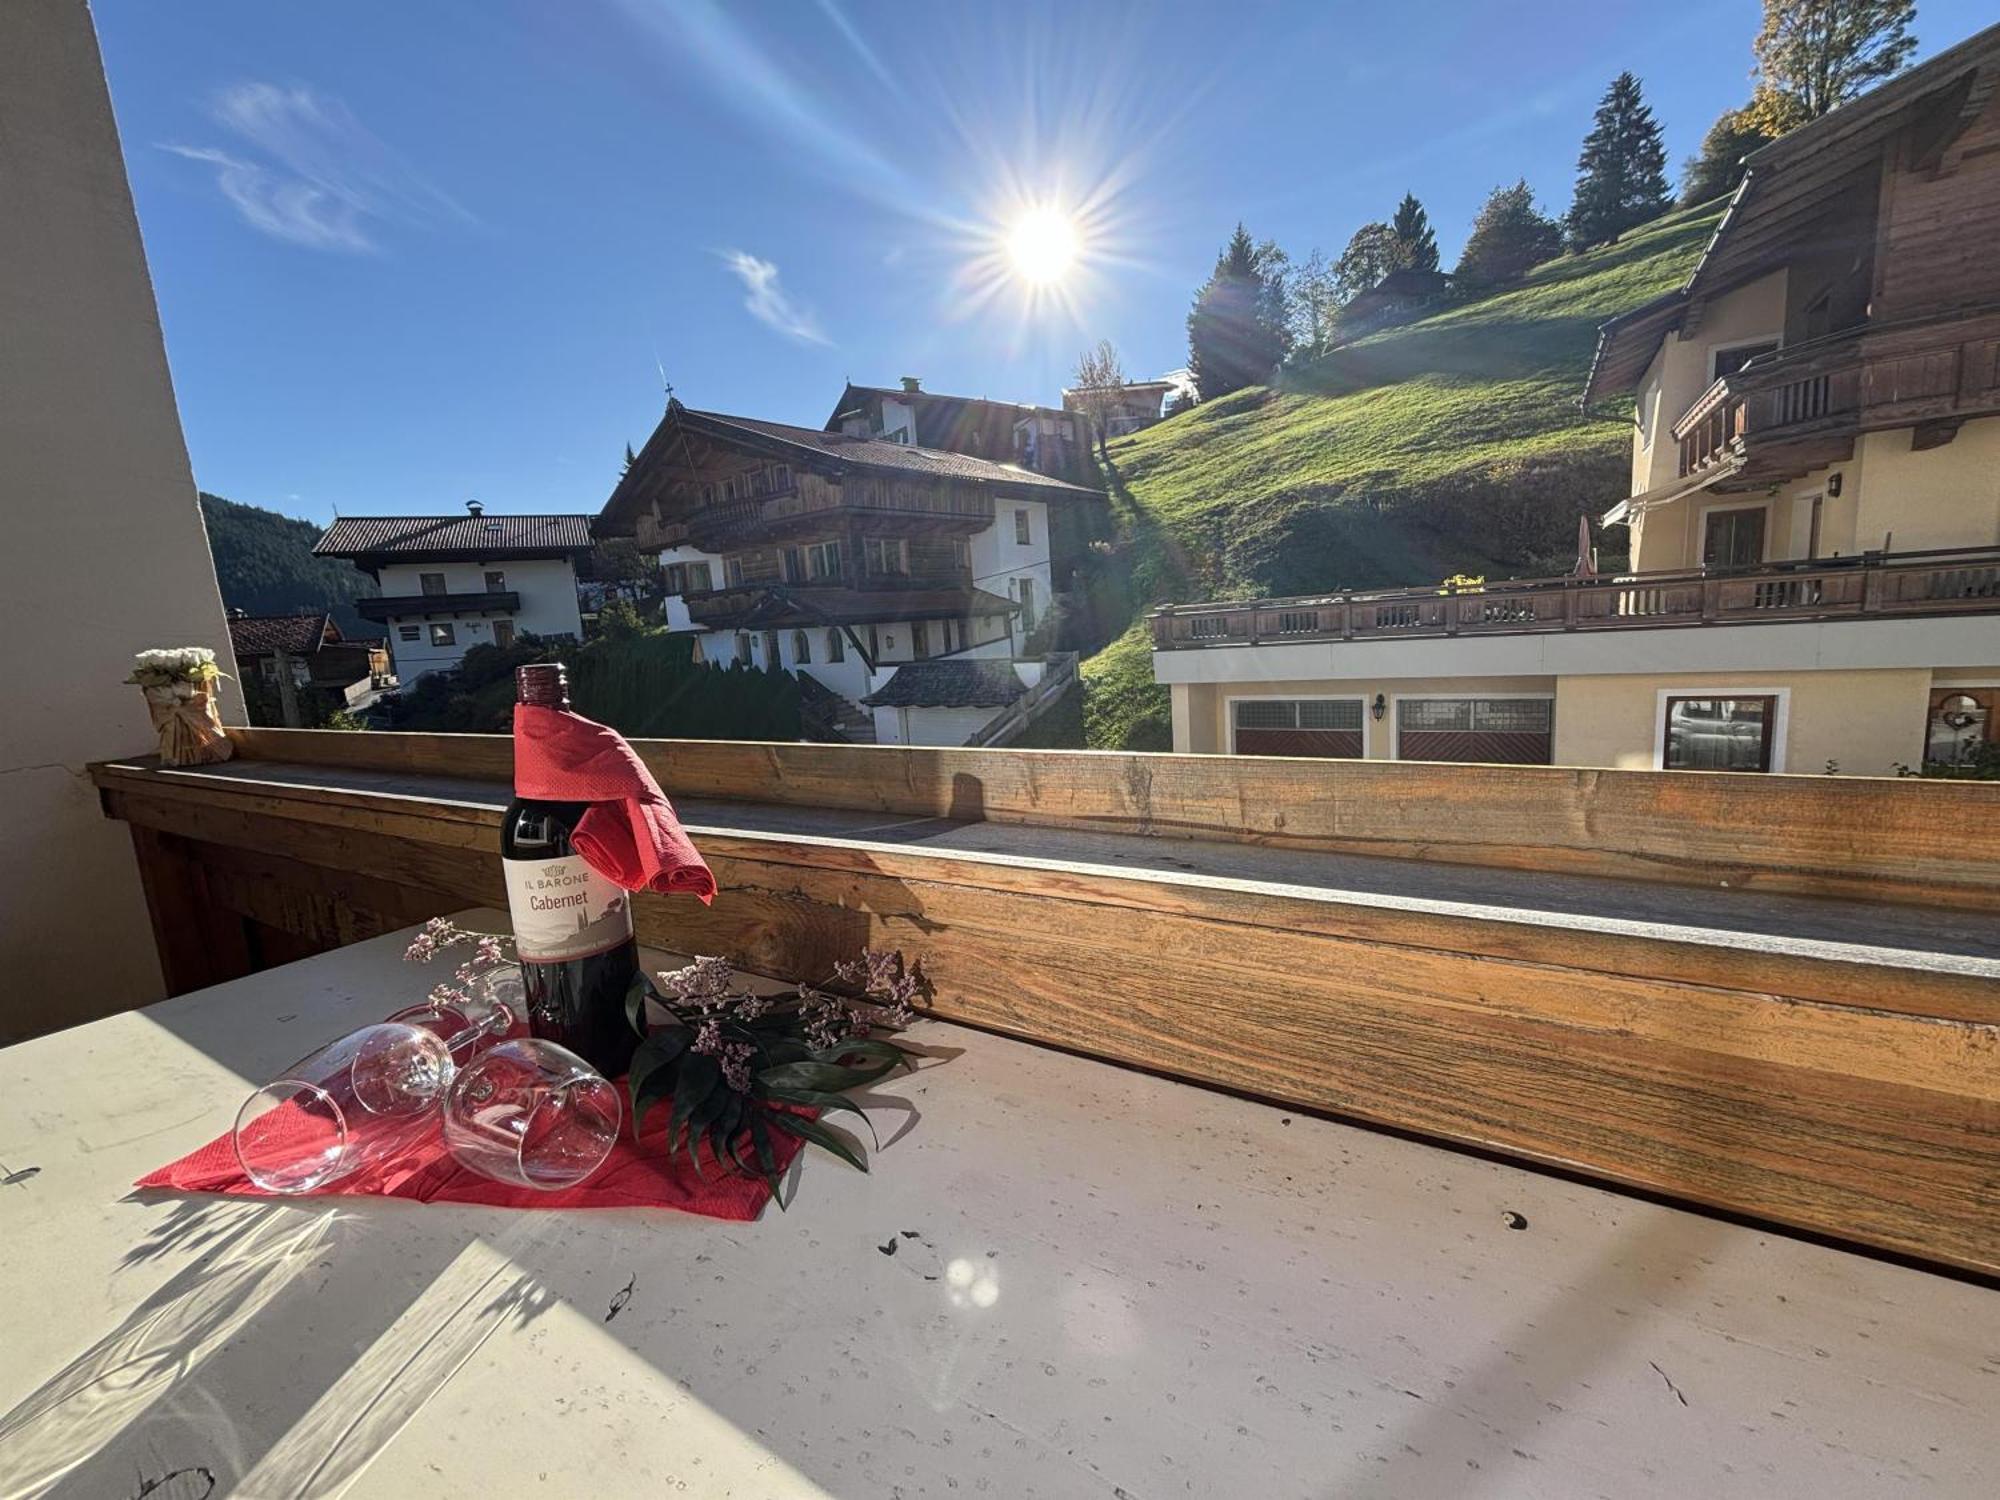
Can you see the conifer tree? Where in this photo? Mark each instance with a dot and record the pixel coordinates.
(1236, 331)
(1509, 237)
(1621, 174)
(1718, 166)
(1416, 244)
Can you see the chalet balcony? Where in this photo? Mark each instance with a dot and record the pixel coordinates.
(1874, 585)
(794, 513)
(1800, 409)
(384, 607)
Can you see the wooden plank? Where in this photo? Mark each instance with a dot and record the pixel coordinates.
(1883, 839)
(1856, 1122)
(198, 942)
(1519, 915)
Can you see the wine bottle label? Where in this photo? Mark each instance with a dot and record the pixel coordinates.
(563, 909)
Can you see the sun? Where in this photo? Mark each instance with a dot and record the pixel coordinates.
(1042, 246)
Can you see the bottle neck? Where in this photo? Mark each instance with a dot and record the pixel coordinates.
(543, 684)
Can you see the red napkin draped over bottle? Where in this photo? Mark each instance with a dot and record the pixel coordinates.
(638, 1174)
(631, 836)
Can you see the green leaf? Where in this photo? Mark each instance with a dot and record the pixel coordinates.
(820, 1075)
(767, 1159)
(655, 1058)
(635, 1001)
(657, 1088)
(823, 1136)
(700, 1076)
(702, 1117)
(881, 1051)
(825, 1102)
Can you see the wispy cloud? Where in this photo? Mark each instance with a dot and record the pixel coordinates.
(768, 302)
(304, 170)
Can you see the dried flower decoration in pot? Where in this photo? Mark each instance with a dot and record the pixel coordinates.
(180, 684)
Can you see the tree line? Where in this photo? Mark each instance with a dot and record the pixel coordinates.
(1259, 309)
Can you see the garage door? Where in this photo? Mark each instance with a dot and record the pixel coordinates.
(1507, 731)
(1297, 726)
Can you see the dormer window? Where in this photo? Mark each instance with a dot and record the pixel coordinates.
(1727, 359)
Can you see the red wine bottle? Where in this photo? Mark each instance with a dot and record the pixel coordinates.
(572, 927)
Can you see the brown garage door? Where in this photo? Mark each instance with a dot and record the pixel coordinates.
(1297, 726)
(1504, 731)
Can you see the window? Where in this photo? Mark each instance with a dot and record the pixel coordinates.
(886, 556)
(1023, 536)
(920, 640)
(1733, 538)
(1496, 731)
(1296, 726)
(961, 554)
(708, 494)
(743, 646)
(1961, 725)
(732, 571)
(432, 583)
(1719, 734)
(781, 476)
(823, 560)
(503, 632)
(802, 651)
(1027, 591)
(792, 565)
(443, 635)
(677, 578)
(409, 632)
(700, 578)
(496, 581)
(836, 648)
(1733, 357)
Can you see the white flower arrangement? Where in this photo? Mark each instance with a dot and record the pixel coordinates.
(183, 668)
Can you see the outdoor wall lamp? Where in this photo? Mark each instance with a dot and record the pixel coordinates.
(1833, 485)
(1379, 707)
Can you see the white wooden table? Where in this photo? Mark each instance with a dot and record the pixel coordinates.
(1112, 1285)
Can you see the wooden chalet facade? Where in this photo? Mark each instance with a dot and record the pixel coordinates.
(839, 557)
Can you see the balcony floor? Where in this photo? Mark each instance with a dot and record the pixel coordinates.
(1112, 1285)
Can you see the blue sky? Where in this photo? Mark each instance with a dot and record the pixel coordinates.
(413, 252)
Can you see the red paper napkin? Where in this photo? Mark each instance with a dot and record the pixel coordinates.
(632, 836)
(634, 1176)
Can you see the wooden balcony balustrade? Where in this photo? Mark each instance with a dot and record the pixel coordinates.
(382, 607)
(1775, 995)
(900, 510)
(1947, 581)
(1936, 370)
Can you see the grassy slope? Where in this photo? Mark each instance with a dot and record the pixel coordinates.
(1448, 445)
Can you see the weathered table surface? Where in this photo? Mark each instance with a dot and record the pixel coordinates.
(1103, 1284)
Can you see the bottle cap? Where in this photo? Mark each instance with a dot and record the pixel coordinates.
(544, 683)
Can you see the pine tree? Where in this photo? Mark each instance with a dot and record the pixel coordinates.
(1815, 55)
(1509, 237)
(1621, 175)
(1236, 332)
(1416, 244)
(631, 458)
(1718, 166)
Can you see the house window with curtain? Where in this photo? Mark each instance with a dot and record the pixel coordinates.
(443, 635)
(1024, 535)
(431, 583)
(802, 651)
(496, 581)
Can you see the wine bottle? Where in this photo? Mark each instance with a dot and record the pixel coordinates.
(572, 926)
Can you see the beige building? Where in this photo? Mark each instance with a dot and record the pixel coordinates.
(1814, 517)
(105, 547)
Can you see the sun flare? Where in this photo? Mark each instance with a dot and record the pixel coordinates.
(1042, 246)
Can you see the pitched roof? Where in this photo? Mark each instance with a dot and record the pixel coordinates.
(881, 453)
(255, 635)
(978, 683)
(1789, 189)
(422, 536)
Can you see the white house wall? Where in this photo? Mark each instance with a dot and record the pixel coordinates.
(999, 563)
(675, 610)
(547, 588)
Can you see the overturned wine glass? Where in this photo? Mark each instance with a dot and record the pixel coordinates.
(365, 1099)
(533, 1114)
(473, 1016)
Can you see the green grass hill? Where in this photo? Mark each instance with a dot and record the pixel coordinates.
(1453, 444)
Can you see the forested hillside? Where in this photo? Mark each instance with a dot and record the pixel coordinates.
(1449, 445)
(265, 566)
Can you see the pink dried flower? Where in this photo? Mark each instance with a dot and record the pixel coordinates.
(736, 1059)
(704, 983)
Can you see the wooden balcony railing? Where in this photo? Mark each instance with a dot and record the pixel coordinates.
(1949, 581)
(1635, 974)
(1864, 379)
(800, 511)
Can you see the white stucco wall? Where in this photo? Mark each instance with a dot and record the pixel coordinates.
(930, 726)
(106, 553)
(548, 608)
(1000, 564)
(675, 611)
(1683, 369)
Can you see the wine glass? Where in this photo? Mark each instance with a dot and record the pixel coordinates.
(494, 1002)
(364, 1099)
(532, 1113)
